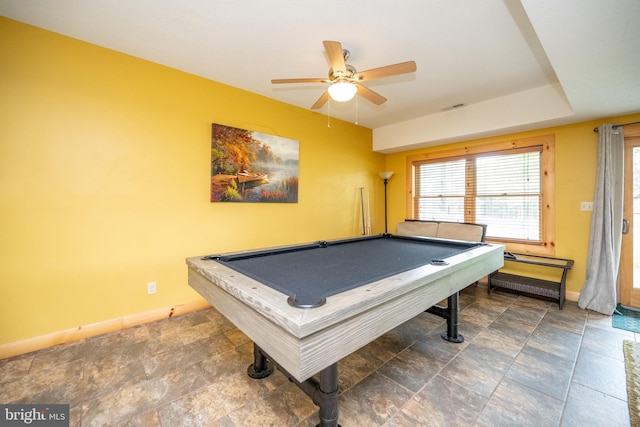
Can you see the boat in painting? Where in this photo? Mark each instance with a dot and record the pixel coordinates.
(245, 177)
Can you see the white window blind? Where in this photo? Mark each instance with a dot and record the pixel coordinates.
(440, 191)
(500, 189)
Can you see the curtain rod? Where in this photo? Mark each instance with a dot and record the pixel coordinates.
(617, 126)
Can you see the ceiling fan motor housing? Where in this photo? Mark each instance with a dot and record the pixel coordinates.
(339, 75)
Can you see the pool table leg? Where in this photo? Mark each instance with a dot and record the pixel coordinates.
(451, 314)
(324, 392)
(453, 310)
(327, 397)
(261, 367)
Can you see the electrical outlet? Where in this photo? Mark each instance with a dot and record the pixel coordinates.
(586, 206)
(151, 288)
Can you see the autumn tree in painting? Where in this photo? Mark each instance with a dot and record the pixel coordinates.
(232, 150)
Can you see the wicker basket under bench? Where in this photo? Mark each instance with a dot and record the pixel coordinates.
(531, 286)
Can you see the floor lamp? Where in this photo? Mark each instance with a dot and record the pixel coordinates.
(385, 178)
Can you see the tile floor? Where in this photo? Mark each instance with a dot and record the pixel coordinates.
(523, 363)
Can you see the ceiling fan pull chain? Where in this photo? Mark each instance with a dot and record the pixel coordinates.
(356, 110)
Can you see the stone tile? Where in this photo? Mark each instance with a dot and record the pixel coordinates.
(237, 400)
(440, 403)
(354, 368)
(555, 341)
(200, 331)
(40, 382)
(164, 339)
(601, 373)
(415, 366)
(502, 338)
(285, 406)
(500, 293)
(513, 404)
(124, 341)
(203, 407)
(435, 339)
(588, 407)
(231, 367)
(544, 372)
(236, 337)
(598, 320)
(496, 303)
(607, 342)
(216, 317)
(386, 347)
(75, 416)
(14, 368)
(58, 355)
(104, 374)
(246, 350)
(161, 363)
(520, 316)
(481, 316)
(470, 294)
(196, 317)
(417, 327)
(124, 403)
(534, 303)
(147, 419)
(479, 369)
(570, 318)
(468, 328)
(372, 402)
(64, 393)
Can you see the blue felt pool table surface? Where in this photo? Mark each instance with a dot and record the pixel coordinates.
(312, 272)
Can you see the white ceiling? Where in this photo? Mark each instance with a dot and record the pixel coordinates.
(565, 60)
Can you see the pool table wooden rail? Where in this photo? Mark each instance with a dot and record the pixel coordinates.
(305, 341)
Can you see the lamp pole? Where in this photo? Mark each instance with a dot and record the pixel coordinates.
(385, 179)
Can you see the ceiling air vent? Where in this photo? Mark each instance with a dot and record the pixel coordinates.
(453, 107)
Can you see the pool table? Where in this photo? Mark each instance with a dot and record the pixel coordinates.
(307, 306)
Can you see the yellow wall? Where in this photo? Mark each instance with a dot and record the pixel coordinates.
(576, 148)
(104, 181)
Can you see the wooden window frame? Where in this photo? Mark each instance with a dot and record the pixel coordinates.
(547, 142)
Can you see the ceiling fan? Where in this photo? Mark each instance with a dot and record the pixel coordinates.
(346, 81)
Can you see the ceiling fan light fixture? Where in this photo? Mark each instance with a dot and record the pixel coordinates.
(342, 91)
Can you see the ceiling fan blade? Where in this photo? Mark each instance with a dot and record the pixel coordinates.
(336, 57)
(311, 80)
(388, 71)
(370, 95)
(321, 101)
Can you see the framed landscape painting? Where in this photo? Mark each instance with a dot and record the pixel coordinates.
(248, 166)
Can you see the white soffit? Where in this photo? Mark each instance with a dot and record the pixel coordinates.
(539, 107)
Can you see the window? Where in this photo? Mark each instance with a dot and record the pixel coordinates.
(507, 186)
